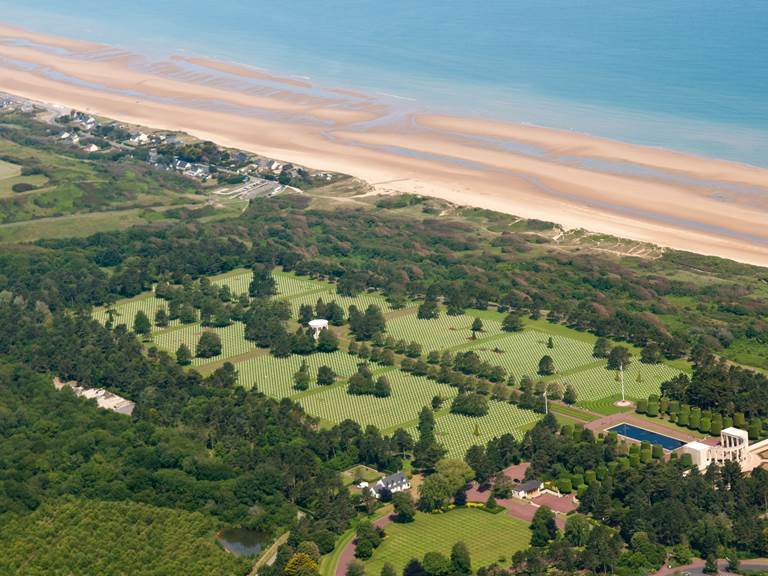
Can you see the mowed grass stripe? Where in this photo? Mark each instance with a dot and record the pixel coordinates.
(440, 333)
(233, 342)
(126, 311)
(488, 537)
(274, 376)
(409, 395)
(520, 352)
(457, 433)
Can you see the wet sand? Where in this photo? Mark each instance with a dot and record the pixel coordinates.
(668, 198)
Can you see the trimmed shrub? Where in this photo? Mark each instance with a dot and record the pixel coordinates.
(564, 485)
(686, 459)
(694, 421)
(657, 452)
(738, 420)
(704, 425)
(674, 407)
(653, 409)
(642, 406)
(645, 456)
(590, 477)
(727, 421)
(664, 405)
(717, 425)
(634, 460)
(683, 419)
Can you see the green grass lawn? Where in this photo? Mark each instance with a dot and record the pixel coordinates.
(457, 433)
(489, 537)
(443, 332)
(409, 395)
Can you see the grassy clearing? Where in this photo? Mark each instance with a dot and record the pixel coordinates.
(274, 376)
(125, 311)
(457, 433)
(233, 342)
(597, 387)
(519, 353)
(328, 292)
(442, 332)
(489, 537)
(409, 395)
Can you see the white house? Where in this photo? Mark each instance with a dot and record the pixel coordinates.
(528, 489)
(397, 482)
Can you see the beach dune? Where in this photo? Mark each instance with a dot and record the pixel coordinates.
(668, 198)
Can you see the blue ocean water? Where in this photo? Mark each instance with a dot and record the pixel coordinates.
(681, 74)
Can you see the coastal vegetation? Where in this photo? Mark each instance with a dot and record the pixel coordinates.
(448, 328)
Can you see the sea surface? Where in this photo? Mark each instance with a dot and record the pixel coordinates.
(690, 75)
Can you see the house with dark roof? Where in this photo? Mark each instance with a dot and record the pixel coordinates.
(396, 482)
(528, 489)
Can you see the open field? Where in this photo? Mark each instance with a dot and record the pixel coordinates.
(488, 537)
(409, 395)
(441, 333)
(597, 388)
(125, 311)
(233, 342)
(274, 376)
(519, 353)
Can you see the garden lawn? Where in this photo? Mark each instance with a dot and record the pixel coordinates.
(233, 342)
(457, 432)
(125, 311)
(442, 332)
(520, 352)
(489, 537)
(274, 376)
(409, 395)
(597, 387)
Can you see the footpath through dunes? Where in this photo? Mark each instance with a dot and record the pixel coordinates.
(702, 205)
(518, 353)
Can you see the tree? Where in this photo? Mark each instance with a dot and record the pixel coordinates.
(327, 341)
(554, 391)
(405, 510)
(300, 564)
(355, 568)
(512, 322)
(437, 402)
(428, 310)
(569, 397)
(477, 326)
(651, 354)
(435, 564)
(414, 568)
(602, 550)
(388, 570)
(618, 358)
(550, 343)
(209, 345)
(301, 378)
(141, 324)
(577, 529)
(263, 283)
(543, 527)
(325, 376)
(382, 389)
(461, 563)
(187, 314)
(161, 318)
(183, 355)
(310, 549)
(602, 348)
(305, 313)
(401, 441)
(470, 404)
(546, 366)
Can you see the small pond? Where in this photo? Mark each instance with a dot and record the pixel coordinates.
(242, 541)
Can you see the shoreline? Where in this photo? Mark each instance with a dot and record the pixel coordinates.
(668, 198)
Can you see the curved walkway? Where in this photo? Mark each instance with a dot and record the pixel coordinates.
(348, 554)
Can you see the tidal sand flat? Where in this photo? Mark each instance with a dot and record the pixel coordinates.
(669, 198)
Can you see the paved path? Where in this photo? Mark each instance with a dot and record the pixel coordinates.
(348, 555)
(696, 568)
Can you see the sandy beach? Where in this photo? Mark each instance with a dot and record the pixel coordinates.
(668, 198)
